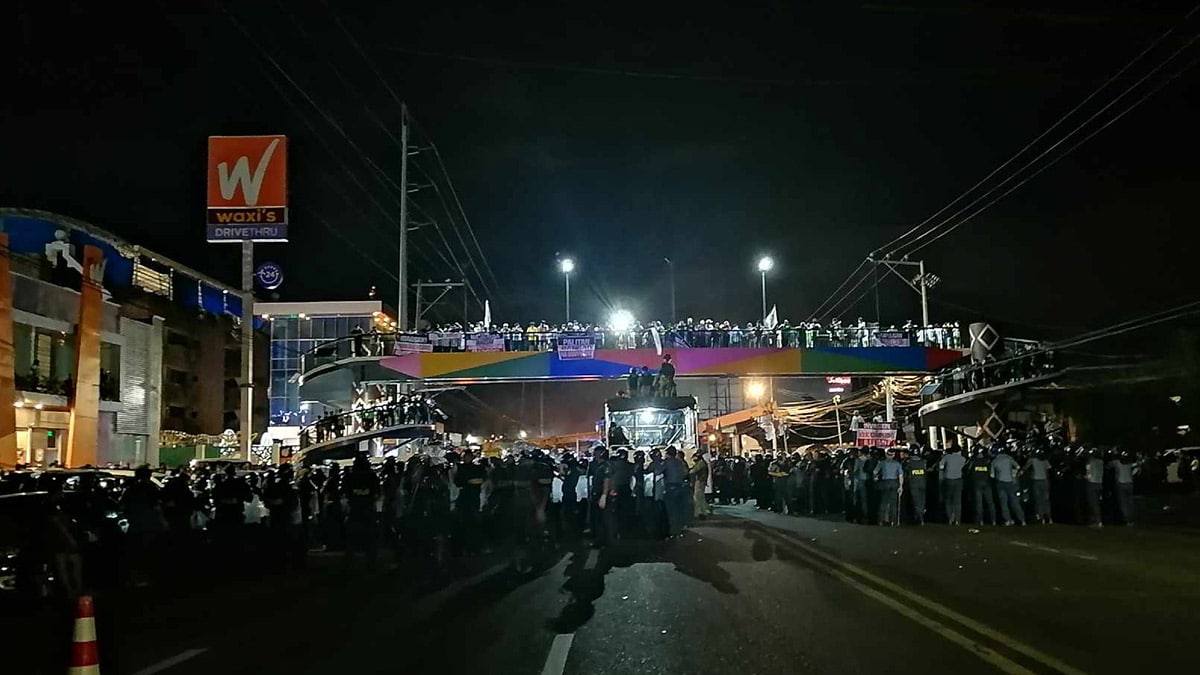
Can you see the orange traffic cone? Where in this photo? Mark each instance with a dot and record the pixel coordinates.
(85, 657)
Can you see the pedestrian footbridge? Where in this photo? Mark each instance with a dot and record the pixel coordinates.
(343, 363)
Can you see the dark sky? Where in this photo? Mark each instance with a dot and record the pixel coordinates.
(811, 131)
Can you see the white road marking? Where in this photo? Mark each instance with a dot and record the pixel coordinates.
(171, 662)
(843, 570)
(592, 559)
(556, 660)
(1035, 546)
(427, 605)
(1081, 556)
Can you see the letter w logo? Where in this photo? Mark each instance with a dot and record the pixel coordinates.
(228, 180)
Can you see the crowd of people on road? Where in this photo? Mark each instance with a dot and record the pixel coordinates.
(444, 502)
(1012, 482)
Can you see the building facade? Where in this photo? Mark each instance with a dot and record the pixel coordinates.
(297, 328)
(169, 350)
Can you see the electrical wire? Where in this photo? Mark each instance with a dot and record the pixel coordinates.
(1068, 151)
(897, 248)
(1045, 133)
(374, 68)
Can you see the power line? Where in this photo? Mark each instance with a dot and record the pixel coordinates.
(379, 174)
(1045, 133)
(374, 68)
(350, 173)
(839, 288)
(896, 249)
(1068, 151)
(461, 240)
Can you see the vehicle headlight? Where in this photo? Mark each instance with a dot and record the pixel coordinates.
(9, 553)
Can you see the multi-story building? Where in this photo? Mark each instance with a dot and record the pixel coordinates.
(169, 354)
(296, 329)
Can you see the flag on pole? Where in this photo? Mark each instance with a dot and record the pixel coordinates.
(657, 340)
(772, 319)
(487, 314)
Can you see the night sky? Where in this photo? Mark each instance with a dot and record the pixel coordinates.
(814, 132)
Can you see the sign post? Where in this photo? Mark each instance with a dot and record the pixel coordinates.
(247, 203)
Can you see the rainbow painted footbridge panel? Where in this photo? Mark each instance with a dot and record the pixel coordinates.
(693, 362)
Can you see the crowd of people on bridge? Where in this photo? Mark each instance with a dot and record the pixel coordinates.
(1026, 362)
(398, 410)
(709, 333)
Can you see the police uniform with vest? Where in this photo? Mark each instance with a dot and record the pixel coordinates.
(888, 474)
(980, 469)
(915, 469)
(1039, 475)
(1122, 468)
(1004, 470)
(469, 478)
(950, 470)
(1093, 476)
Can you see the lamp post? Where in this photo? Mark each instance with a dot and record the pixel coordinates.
(671, 281)
(765, 264)
(837, 409)
(567, 266)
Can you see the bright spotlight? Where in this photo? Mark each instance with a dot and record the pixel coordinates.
(712, 438)
(765, 264)
(567, 266)
(646, 416)
(621, 320)
(523, 434)
(756, 389)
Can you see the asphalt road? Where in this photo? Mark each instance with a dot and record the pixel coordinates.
(743, 592)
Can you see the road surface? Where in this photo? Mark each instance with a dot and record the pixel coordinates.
(744, 592)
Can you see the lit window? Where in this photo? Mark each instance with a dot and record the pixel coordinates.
(151, 280)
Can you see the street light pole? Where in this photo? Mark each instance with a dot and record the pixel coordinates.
(837, 409)
(567, 265)
(671, 280)
(764, 265)
(764, 294)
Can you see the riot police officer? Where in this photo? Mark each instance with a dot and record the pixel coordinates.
(1039, 475)
(1093, 475)
(914, 470)
(980, 470)
(1123, 473)
(284, 506)
(889, 479)
(1004, 471)
(362, 491)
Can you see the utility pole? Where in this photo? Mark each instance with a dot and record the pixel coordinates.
(247, 335)
(837, 410)
(924, 297)
(402, 272)
(921, 285)
(889, 388)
